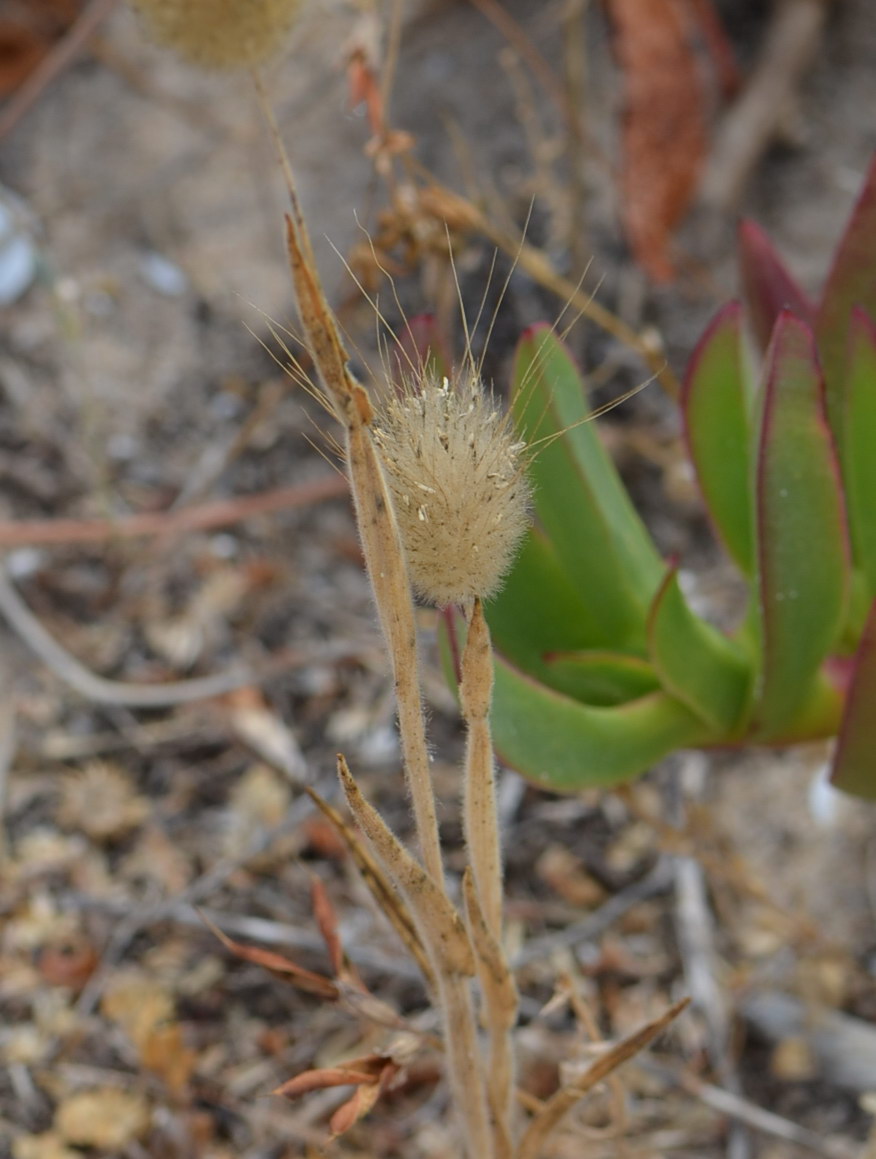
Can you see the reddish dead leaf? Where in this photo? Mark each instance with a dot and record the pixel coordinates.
(289, 971)
(370, 1075)
(718, 47)
(327, 1076)
(664, 125)
(27, 30)
(68, 963)
(166, 1054)
(355, 1108)
(326, 919)
(21, 50)
(364, 87)
(321, 838)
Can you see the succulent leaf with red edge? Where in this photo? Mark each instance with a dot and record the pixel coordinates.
(603, 665)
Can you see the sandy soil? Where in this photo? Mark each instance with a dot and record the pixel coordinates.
(139, 373)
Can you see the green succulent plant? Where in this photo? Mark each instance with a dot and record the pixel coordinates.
(603, 666)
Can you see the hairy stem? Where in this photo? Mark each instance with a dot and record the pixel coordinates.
(479, 789)
(484, 883)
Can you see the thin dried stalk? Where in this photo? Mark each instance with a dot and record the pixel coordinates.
(537, 264)
(453, 961)
(548, 1119)
(381, 545)
(500, 1015)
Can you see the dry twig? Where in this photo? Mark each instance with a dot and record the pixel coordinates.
(757, 116)
(200, 517)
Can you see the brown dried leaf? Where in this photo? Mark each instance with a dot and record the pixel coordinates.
(166, 1055)
(326, 919)
(434, 912)
(137, 1005)
(355, 1108)
(145, 1011)
(69, 961)
(327, 1076)
(289, 971)
(370, 1074)
(382, 891)
(47, 1146)
(104, 1117)
(562, 1102)
(664, 126)
(102, 801)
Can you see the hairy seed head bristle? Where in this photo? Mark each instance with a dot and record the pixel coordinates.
(456, 474)
(219, 34)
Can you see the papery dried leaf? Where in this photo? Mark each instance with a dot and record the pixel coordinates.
(370, 1074)
(374, 877)
(364, 87)
(664, 125)
(48, 1145)
(259, 727)
(68, 962)
(289, 971)
(434, 912)
(324, 1078)
(104, 1117)
(497, 981)
(360, 1103)
(562, 1102)
(101, 800)
(138, 1005)
(166, 1055)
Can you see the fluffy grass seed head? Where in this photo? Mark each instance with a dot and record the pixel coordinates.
(458, 482)
(219, 34)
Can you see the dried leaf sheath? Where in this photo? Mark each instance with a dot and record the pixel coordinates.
(453, 962)
(500, 1015)
(479, 790)
(483, 881)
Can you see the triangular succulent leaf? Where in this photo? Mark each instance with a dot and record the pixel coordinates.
(566, 746)
(854, 766)
(718, 435)
(851, 282)
(768, 286)
(696, 663)
(859, 440)
(580, 501)
(802, 543)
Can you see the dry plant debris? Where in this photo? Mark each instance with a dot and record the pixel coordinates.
(128, 1029)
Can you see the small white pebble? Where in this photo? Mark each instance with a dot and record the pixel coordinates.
(18, 258)
(163, 275)
(121, 447)
(224, 546)
(24, 561)
(379, 746)
(824, 800)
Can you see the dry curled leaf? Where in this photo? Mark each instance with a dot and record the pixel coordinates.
(145, 1011)
(101, 801)
(370, 1075)
(664, 123)
(46, 1146)
(104, 1117)
(289, 971)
